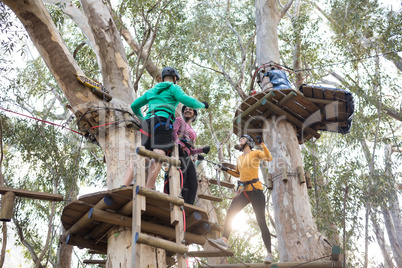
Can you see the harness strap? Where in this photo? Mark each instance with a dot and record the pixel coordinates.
(145, 133)
(168, 125)
(245, 183)
(247, 196)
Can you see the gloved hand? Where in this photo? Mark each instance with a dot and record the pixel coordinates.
(206, 104)
(224, 169)
(259, 139)
(200, 157)
(206, 149)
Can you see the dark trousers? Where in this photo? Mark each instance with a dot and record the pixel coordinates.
(190, 183)
(257, 200)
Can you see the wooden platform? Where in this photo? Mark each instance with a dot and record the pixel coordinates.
(155, 220)
(310, 110)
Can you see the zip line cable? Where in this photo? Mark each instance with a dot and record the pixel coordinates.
(333, 64)
(41, 120)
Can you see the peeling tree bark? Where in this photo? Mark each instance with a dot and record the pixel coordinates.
(4, 227)
(78, 17)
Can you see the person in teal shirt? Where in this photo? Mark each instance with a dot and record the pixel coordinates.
(157, 126)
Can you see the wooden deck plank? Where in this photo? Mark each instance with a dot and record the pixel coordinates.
(157, 212)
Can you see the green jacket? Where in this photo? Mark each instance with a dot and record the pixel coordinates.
(164, 98)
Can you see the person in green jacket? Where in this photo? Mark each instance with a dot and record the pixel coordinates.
(157, 126)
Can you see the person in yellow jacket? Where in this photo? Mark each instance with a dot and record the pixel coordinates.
(250, 191)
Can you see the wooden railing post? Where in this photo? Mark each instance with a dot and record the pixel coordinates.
(176, 214)
(7, 206)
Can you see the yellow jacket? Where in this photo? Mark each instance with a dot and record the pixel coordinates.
(247, 166)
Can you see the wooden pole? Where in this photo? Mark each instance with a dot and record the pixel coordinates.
(100, 262)
(144, 152)
(112, 218)
(177, 214)
(336, 251)
(249, 110)
(222, 183)
(31, 194)
(281, 103)
(300, 174)
(160, 196)
(146, 227)
(284, 174)
(292, 119)
(205, 254)
(210, 197)
(103, 227)
(322, 101)
(85, 221)
(160, 243)
(7, 206)
(270, 185)
(193, 219)
(204, 228)
(308, 180)
(170, 233)
(139, 204)
(313, 264)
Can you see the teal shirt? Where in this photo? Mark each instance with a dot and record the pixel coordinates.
(164, 98)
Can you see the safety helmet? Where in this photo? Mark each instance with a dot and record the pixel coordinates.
(169, 71)
(250, 141)
(195, 112)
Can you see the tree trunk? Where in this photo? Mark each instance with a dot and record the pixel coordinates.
(298, 237)
(381, 243)
(393, 240)
(392, 217)
(394, 201)
(64, 254)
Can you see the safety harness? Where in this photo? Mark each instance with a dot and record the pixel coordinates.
(168, 124)
(241, 185)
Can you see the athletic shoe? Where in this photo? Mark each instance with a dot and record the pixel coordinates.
(269, 258)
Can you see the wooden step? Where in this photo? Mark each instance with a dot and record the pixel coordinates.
(94, 261)
(222, 183)
(202, 254)
(210, 198)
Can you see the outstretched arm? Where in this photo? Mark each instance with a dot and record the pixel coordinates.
(181, 96)
(137, 104)
(234, 173)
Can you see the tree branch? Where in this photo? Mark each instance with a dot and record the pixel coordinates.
(285, 9)
(149, 65)
(389, 111)
(25, 242)
(76, 15)
(208, 68)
